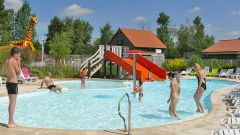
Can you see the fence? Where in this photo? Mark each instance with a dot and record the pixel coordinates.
(157, 59)
(223, 61)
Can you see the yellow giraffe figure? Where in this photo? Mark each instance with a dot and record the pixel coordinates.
(27, 41)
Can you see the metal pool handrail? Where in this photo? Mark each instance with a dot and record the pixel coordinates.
(129, 113)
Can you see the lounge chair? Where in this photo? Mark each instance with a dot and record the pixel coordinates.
(206, 69)
(2, 80)
(222, 72)
(235, 106)
(227, 74)
(214, 72)
(234, 113)
(236, 74)
(25, 76)
(232, 122)
(187, 72)
(226, 131)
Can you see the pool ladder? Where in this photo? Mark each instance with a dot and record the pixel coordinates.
(129, 113)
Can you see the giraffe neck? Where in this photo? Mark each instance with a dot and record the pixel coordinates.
(29, 33)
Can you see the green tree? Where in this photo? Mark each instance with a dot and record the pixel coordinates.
(4, 54)
(21, 23)
(60, 46)
(164, 34)
(201, 41)
(184, 38)
(82, 34)
(106, 34)
(6, 22)
(172, 53)
(194, 59)
(55, 27)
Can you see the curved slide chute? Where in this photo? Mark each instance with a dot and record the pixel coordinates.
(145, 69)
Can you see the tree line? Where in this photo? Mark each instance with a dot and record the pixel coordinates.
(189, 37)
(73, 36)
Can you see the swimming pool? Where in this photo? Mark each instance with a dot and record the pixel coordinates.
(96, 107)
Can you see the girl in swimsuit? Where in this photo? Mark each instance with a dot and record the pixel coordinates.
(174, 95)
(201, 76)
(139, 90)
(83, 74)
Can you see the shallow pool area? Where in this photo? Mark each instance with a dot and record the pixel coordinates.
(96, 107)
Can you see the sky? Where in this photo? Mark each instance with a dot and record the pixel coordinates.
(220, 17)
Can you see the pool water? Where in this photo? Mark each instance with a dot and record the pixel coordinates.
(96, 108)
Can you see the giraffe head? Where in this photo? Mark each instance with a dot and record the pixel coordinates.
(34, 19)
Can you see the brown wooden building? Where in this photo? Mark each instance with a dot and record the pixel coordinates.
(138, 39)
(223, 49)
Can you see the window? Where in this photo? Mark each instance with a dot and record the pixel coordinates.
(120, 42)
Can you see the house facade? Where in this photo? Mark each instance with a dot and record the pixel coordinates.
(223, 49)
(143, 40)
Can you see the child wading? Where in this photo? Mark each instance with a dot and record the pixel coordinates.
(139, 90)
(174, 95)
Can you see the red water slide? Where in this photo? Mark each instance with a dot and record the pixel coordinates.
(155, 69)
(110, 56)
(143, 67)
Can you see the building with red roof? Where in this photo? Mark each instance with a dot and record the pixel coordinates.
(223, 49)
(138, 39)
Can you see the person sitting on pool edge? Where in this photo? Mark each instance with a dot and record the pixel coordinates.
(49, 83)
(174, 95)
(139, 90)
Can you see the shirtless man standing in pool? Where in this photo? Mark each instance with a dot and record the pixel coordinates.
(12, 69)
(49, 83)
(174, 95)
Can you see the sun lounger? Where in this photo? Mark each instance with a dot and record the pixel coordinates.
(233, 122)
(235, 106)
(25, 77)
(187, 72)
(236, 74)
(226, 132)
(2, 80)
(214, 72)
(222, 72)
(234, 113)
(227, 74)
(206, 69)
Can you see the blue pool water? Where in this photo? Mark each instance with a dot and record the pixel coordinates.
(96, 107)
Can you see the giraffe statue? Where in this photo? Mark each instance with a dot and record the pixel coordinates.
(27, 41)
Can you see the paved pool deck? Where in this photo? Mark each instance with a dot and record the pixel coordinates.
(198, 126)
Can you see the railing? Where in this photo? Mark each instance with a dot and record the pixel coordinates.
(129, 113)
(85, 63)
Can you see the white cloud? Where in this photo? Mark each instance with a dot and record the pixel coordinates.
(76, 10)
(140, 19)
(234, 33)
(236, 12)
(14, 4)
(194, 10)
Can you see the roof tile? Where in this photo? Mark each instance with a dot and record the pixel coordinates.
(143, 38)
(224, 46)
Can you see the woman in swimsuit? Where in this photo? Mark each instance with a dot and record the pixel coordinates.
(201, 76)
